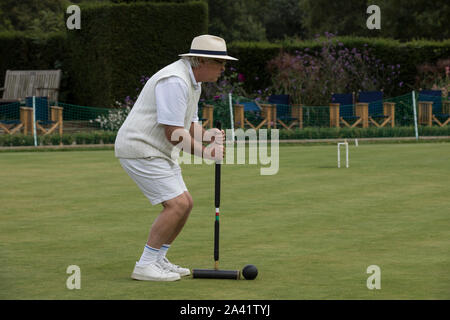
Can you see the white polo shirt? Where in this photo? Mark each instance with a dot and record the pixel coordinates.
(171, 99)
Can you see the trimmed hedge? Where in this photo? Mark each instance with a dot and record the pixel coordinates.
(79, 138)
(111, 51)
(253, 56)
(109, 137)
(371, 132)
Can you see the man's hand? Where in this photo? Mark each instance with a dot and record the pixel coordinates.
(218, 136)
(216, 150)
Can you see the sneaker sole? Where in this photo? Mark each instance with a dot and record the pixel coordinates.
(137, 276)
(185, 274)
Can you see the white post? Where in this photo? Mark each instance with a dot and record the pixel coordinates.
(346, 154)
(415, 115)
(34, 121)
(339, 155)
(230, 102)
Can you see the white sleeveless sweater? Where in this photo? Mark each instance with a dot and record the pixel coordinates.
(141, 136)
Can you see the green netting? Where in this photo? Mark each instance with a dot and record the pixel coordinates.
(319, 116)
(85, 118)
(10, 111)
(75, 117)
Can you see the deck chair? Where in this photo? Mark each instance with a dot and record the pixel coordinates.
(246, 113)
(286, 114)
(377, 109)
(431, 108)
(341, 111)
(44, 123)
(9, 117)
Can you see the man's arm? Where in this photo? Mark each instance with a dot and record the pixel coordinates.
(176, 134)
(196, 129)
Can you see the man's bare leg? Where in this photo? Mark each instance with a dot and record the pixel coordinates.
(170, 221)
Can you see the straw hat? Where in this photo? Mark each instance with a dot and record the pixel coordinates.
(209, 47)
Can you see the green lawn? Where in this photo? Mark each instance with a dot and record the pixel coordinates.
(312, 230)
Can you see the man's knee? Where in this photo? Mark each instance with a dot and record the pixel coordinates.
(182, 205)
(190, 200)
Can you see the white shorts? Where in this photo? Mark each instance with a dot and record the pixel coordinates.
(158, 178)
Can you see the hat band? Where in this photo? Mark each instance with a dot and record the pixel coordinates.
(216, 53)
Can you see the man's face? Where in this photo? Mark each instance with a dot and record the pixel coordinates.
(210, 70)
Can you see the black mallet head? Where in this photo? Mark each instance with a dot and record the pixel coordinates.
(250, 272)
(215, 274)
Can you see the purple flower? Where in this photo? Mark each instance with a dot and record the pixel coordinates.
(241, 77)
(400, 84)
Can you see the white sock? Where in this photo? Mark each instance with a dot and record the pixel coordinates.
(149, 255)
(163, 251)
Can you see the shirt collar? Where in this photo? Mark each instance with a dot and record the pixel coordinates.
(191, 73)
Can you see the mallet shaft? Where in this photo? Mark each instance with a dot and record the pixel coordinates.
(217, 205)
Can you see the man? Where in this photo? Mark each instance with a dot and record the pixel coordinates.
(164, 115)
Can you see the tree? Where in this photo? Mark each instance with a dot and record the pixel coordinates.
(400, 19)
(233, 21)
(283, 18)
(341, 17)
(32, 15)
(413, 19)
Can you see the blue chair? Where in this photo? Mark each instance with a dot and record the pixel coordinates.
(9, 117)
(431, 108)
(45, 123)
(378, 109)
(286, 114)
(246, 113)
(251, 106)
(344, 112)
(375, 101)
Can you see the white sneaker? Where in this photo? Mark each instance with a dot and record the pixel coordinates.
(166, 264)
(153, 272)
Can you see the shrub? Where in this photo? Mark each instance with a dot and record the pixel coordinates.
(253, 56)
(114, 119)
(310, 77)
(434, 76)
